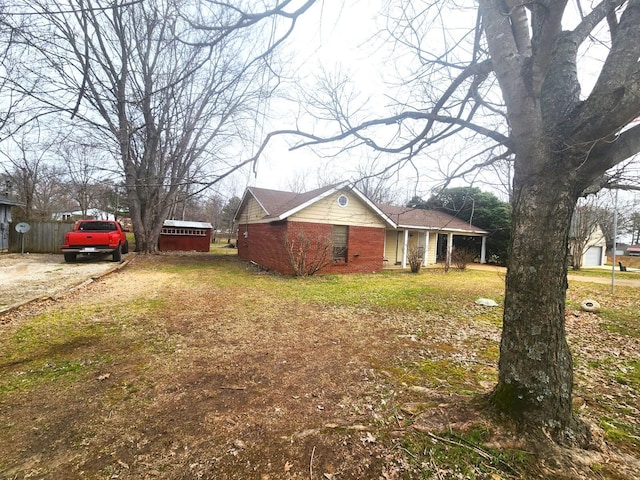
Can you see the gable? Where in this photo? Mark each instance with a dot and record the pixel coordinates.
(250, 211)
(328, 210)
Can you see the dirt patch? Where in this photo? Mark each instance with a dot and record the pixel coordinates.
(168, 370)
(30, 276)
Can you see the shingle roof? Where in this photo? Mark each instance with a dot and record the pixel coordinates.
(277, 203)
(431, 219)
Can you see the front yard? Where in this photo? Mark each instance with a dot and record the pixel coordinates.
(201, 366)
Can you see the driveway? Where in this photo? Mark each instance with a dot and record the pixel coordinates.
(27, 277)
(575, 276)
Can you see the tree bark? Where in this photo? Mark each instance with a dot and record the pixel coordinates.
(536, 369)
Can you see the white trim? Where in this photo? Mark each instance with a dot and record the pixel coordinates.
(449, 248)
(444, 229)
(425, 259)
(405, 247)
(309, 202)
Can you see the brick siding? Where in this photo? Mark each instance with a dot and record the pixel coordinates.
(264, 244)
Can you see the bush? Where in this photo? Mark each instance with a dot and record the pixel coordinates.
(415, 257)
(308, 255)
(461, 257)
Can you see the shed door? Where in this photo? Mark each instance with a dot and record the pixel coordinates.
(593, 257)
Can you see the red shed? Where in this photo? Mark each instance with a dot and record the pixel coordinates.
(178, 235)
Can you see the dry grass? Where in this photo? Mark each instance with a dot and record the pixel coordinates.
(199, 366)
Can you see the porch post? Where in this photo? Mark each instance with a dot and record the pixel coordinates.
(405, 246)
(425, 260)
(483, 250)
(449, 248)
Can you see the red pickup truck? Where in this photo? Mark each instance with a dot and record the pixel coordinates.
(93, 237)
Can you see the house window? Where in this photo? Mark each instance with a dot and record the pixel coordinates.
(343, 200)
(340, 236)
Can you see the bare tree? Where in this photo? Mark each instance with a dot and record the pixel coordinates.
(82, 163)
(170, 83)
(584, 230)
(509, 74)
(634, 228)
(36, 182)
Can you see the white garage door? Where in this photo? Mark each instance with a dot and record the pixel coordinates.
(593, 257)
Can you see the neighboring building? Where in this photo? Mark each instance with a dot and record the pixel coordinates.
(633, 251)
(593, 248)
(364, 237)
(92, 214)
(5, 219)
(178, 235)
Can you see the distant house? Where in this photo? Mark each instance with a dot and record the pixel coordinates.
(5, 219)
(178, 235)
(364, 236)
(92, 213)
(592, 247)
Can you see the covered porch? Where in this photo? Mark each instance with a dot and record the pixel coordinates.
(432, 245)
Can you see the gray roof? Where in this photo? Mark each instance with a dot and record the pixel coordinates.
(407, 217)
(276, 202)
(7, 201)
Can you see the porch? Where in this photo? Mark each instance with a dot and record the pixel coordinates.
(431, 246)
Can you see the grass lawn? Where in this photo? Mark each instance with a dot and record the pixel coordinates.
(606, 273)
(200, 366)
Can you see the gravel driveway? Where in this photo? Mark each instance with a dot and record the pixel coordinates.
(30, 276)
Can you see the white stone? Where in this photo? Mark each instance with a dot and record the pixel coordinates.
(590, 306)
(486, 302)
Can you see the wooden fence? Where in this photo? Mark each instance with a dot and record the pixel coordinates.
(42, 237)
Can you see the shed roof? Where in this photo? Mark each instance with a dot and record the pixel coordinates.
(186, 224)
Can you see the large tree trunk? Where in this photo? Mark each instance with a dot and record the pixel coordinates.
(535, 369)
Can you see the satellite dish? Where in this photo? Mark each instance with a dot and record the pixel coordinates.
(23, 227)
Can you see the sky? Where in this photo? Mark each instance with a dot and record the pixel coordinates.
(331, 36)
(337, 35)
(340, 35)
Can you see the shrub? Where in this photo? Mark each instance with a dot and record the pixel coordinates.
(415, 257)
(461, 257)
(308, 255)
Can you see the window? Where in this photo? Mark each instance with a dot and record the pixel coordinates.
(340, 237)
(192, 232)
(343, 200)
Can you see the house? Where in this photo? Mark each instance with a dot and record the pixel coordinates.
(5, 219)
(341, 222)
(179, 235)
(591, 247)
(91, 213)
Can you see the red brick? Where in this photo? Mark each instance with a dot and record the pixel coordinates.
(264, 244)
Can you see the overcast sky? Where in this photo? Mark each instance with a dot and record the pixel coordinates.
(332, 36)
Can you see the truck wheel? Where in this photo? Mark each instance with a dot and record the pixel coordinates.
(125, 247)
(117, 254)
(70, 257)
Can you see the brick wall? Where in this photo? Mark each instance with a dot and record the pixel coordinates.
(265, 245)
